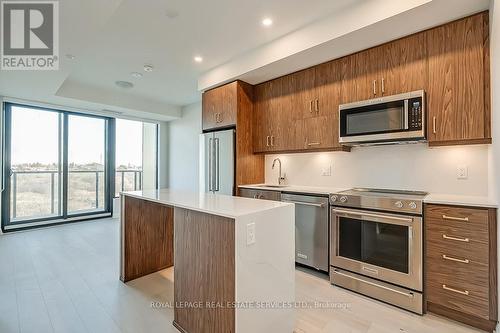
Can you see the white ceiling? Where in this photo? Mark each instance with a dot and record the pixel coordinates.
(113, 38)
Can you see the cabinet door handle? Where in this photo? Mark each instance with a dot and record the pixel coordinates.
(220, 117)
(463, 292)
(267, 141)
(464, 261)
(434, 125)
(453, 218)
(272, 140)
(465, 240)
(311, 106)
(383, 86)
(317, 105)
(374, 87)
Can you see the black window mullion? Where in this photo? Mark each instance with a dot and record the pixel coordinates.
(65, 166)
(6, 196)
(110, 161)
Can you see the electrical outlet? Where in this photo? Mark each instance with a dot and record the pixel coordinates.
(462, 172)
(250, 233)
(326, 171)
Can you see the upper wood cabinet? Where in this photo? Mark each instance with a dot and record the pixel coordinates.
(298, 111)
(220, 106)
(458, 100)
(320, 125)
(389, 69)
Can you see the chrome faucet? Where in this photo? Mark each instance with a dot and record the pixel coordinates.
(281, 179)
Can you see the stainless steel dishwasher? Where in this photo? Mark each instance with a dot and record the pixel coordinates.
(311, 230)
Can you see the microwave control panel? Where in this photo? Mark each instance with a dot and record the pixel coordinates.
(415, 114)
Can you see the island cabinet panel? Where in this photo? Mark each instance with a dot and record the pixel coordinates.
(461, 265)
(220, 106)
(147, 232)
(458, 91)
(204, 272)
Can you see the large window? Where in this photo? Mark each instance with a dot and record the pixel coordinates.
(56, 165)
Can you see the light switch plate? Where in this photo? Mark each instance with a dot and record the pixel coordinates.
(462, 172)
(327, 171)
(250, 233)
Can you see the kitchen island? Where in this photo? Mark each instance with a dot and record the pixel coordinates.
(234, 257)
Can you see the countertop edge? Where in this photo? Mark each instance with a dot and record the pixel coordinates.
(443, 199)
(198, 209)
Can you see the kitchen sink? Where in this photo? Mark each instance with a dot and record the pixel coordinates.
(273, 186)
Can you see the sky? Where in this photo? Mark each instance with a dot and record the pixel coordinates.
(35, 136)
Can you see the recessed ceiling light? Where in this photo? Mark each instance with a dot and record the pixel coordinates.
(148, 68)
(70, 56)
(171, 13)
(124, 84)
(198, 59)
(267, 22)
(136, 75)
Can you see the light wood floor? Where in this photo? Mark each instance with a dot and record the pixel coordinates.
(65, 279)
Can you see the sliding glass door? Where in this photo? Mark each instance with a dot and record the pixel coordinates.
(86, 164)
(56, 166)
(34, 177)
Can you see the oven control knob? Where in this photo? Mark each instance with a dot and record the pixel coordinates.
(398, 204)
(412, 205)
(343, 199)
(333, 198)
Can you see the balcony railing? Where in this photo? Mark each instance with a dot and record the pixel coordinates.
(125, 180)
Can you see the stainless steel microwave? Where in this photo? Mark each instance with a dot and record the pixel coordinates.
(391, 119)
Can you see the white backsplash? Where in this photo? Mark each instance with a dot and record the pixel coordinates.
(413, 167)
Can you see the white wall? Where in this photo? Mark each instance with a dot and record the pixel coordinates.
(184, 149)
(413, 166)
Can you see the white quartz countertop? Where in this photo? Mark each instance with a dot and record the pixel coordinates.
(216, 204)
(296, 189)
(460, 200)
(435, 198)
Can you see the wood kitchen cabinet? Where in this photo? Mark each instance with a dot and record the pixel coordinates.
(319, 126)
(267, 116)
(232, 105)
(461, 265)
(390, 69)
(458, 100)
(299, 112)
(220, 106)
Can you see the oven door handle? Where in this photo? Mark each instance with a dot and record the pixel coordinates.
(347, 213)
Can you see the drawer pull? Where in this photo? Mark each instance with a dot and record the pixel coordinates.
(465, 261)
(314, 144)
(465, 240)
(463, 292)
(463, 219)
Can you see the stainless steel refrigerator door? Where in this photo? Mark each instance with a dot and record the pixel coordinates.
(224, 162)
(311, 230)
(207, 159)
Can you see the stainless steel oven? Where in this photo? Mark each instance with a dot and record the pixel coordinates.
(380, 245)
(376, 245)
(384, 120)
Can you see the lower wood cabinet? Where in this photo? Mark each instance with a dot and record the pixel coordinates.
(461, 264)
